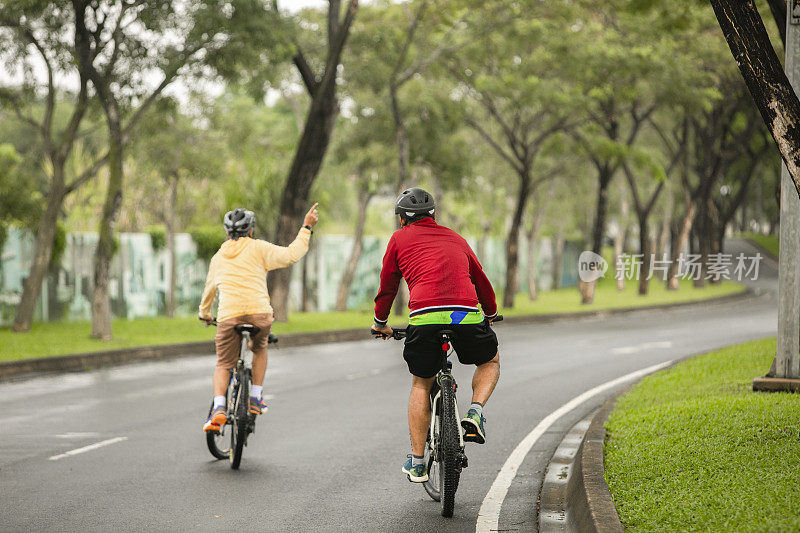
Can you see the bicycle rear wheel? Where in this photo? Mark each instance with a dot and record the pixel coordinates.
(450, 447)
(239, 419)
(218, 442)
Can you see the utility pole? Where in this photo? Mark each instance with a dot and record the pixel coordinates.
(784, 374)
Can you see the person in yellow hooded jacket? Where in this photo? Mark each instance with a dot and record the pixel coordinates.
(238, 271)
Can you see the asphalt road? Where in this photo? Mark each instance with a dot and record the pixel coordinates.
(327, 456)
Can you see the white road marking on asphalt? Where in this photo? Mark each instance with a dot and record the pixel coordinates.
(626, 350)
(489, 513)
(77, 435)
(88, 448)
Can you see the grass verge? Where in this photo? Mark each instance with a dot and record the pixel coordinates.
(767, 242)
(692, 448)
(59, 338)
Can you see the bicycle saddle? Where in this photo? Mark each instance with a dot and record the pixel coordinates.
(250, 328)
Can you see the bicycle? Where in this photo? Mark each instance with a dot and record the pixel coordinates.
(242, 423)
(444, 447)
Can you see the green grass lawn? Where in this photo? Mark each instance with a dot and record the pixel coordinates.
(59, 338)
(608, 297)
(692, 448)
(767, 242)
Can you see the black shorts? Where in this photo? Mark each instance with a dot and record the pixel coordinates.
(475, 344)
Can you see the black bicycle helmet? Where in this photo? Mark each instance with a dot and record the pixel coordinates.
(414, 204)
(239, 223)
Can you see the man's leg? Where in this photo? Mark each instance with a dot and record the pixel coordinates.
(483, 383)
(419, 413)
(259, 366)
(419, 420)
(221, 378)
(226, 341)
(259, 347)
(485, 379)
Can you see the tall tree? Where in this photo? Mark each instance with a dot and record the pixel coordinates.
(118, 41)
(175, 149)
(320, 84)
(513, 107)
(618, 106)
(763, 73)
(45, 33)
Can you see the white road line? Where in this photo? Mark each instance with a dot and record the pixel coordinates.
(489, 513)
(625, 350)
(88, 448)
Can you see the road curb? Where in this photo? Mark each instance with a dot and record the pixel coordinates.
(88, 361)
(559, 488)
(594, 506)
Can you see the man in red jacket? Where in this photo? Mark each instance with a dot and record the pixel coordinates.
(446, 284)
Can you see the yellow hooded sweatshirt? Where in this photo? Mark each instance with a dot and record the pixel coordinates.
(239, 271)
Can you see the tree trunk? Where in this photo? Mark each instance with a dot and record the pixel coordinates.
(101, 304)
(764, 75)
(512, 244)
(663, 230)
(305, 166)
(355, 252)
(558, 256)
(604, 179)
(533, 236)
(644, 249)
(43, 250)
(619, 245)
(678, 244)
(312, 147)
(620, 239)
(173, 267)
(701, 230)
(402, 138)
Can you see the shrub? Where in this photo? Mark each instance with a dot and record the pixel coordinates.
(208, 240)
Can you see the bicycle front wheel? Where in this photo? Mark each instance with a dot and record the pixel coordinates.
(218, 442)
(450, 448)
(239, 419)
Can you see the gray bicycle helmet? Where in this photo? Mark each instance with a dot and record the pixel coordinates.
(239, 223)
(414, 204)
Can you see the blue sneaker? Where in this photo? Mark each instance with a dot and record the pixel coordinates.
(473, 424)
(416, 474)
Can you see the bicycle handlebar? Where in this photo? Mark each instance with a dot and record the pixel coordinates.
(399, 334)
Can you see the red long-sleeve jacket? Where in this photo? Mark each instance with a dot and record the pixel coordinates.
(440, 268)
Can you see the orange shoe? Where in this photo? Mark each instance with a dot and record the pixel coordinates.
(216, 419)
(257, 406)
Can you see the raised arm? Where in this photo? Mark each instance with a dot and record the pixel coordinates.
(282, 256)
